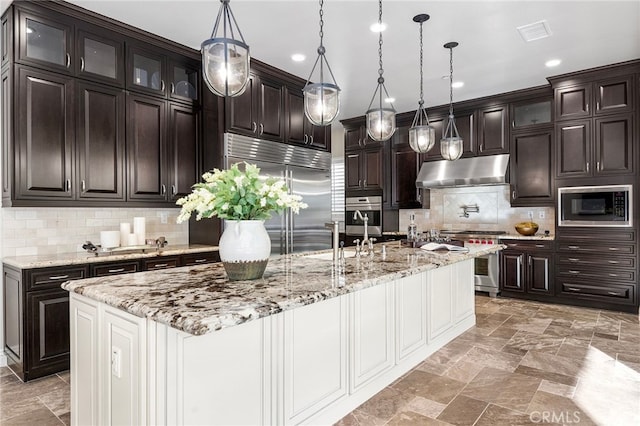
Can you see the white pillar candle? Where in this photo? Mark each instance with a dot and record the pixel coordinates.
(125, 230)
(132, 239)
(139, 226)
(109, 239)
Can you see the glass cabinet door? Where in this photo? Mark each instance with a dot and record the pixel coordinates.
(146, 71)
(184, 82)
(45, 41)
(100, 58)
(531, 113)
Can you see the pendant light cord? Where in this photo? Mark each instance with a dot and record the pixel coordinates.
(451, 81)
(380, 70)
(321, 22)
(421, 102)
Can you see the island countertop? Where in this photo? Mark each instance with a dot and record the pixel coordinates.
(200, 299)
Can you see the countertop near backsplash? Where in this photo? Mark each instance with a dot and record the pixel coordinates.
(495, 212)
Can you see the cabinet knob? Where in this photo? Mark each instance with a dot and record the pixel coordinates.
(81, 63)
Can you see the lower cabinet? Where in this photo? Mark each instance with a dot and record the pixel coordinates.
(526, 269)
(308, 365)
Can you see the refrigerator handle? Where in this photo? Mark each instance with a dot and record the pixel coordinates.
(290, 213)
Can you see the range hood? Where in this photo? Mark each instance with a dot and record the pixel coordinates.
(486, 170)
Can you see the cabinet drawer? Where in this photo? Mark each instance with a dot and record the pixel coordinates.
(613, 294)
(570, 260)
(528, 245)
(114, 269)
(608, 248)
(162, 263)
(596, 235)
(601, 275)
(200, 258)
(40, 279)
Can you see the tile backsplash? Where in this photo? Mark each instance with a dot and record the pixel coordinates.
(35, 231)
(494, 211)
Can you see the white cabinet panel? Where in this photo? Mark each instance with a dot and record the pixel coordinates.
(464, 291)
(372, 333)
(314, 358)
(84, 362)
(243, 366)
(411, 314)
(440, 299)
(123, 369)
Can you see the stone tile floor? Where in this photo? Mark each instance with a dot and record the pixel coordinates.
(524, 363)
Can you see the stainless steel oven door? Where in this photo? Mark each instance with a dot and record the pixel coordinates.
(486, 274)
(370, 206)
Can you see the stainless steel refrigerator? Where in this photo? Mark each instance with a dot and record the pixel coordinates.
(307, 173)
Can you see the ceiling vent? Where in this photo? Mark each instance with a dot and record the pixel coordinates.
(535, 31)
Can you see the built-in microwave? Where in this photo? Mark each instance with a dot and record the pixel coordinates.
(595, 205)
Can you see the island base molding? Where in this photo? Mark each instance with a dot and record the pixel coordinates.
(309, 365)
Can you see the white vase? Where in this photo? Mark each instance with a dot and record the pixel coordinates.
(245, 247)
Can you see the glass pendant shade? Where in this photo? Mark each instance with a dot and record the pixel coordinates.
(321, 103)
(451, 148)
(381, 123)
(225, 60)
(422, 138)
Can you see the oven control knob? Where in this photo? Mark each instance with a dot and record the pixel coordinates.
(472, 241)
(489, 242)
(484, 242)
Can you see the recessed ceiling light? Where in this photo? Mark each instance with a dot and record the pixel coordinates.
(378, 27)
(553, 63)
(389, 100)
(457, 84)
(298, 57)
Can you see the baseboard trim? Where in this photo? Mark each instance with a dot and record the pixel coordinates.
(3, 359)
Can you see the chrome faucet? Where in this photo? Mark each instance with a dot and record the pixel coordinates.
(335, 229)
(365, 220)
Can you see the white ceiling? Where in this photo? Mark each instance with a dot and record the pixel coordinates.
(492, 57)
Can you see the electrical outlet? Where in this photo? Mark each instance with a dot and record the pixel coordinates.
(116, 361)
(530, 214)
(163, 217)
(541, 214)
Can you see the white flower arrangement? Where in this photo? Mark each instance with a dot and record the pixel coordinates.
(234, 194)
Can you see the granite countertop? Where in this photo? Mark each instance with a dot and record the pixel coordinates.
(82, 258)
(200, 299)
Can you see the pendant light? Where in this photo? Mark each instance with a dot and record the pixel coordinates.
(381, 121)
(451, 144)
(422, 136)
(225, 59)
(321, 100)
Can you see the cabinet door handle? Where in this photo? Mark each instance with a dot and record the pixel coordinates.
(573, 289)
(613, 293)
(529, 261)
(261, 128)
(162, 86)
(573, 259)
(597, 166)
(574, 247)
(68, 185)
(359, 182)
(574, 272)
(613, 249)
(59, 277)
(81, 63)
(173, 88)
(613, 262)
(364, 183)
(587, 167)
(160, 265)
(174, 190)
(68, 61)
(540, 245)
(311, 143)
(597, 106)
(587, 108)
(200, 260)
(112, 271)
(163, 190)
(513, 195)
(254, 126)
(481, 147)
(613, 275)
(306, 139)
(83, 186)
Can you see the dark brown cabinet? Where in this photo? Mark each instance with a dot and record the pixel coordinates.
(99, 55)
(605, 96)
(405, 164)
(356, 137)
(493, 128)
(595, 147)
(100, 142)
(597, 268)
(364, 170)
(531, 168)
(526, 269)
(259, 111)
(44, 133)
(184, 134)
(146, 71)
(37, 319)
(299, 130)
(439, 123)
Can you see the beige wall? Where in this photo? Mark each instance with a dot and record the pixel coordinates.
(496, 213)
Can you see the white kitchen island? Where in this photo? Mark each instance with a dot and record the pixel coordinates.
(305, 345)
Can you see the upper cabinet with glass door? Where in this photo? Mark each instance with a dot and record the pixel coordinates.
(183, 80)
(100, 56)
(533, 112)
(45, 41)
(146, 71)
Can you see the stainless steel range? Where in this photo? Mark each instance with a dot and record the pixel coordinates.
(487, 268)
